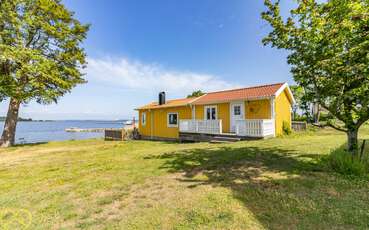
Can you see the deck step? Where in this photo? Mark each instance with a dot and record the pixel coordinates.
(218, 142)
(223, 139)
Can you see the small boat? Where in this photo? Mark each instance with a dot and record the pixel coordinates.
(128, 122)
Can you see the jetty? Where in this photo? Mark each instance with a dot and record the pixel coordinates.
(92, 130)
(96, 130)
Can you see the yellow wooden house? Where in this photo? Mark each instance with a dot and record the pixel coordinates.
(255, 112)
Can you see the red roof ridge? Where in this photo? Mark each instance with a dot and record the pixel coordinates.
(250, 87)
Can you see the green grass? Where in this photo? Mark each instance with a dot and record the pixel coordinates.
(268, 184)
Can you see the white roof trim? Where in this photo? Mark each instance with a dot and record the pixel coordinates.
(283, 87)
(195, 99)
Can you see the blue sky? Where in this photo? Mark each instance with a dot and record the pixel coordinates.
(137, 48)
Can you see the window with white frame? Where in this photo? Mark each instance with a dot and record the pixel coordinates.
(172, 120)
(143, 118)
(237, 110)
(210, 113)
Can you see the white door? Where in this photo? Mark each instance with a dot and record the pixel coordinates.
(237, 113)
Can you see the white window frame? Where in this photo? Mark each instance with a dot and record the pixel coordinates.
(210, 107)
(243, 108)
(172, 125)
(143, 118)
(240, 109)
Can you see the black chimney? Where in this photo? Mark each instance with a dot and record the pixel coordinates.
(161, 98)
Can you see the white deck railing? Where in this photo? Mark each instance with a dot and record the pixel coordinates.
(255, 127)
(201, 126)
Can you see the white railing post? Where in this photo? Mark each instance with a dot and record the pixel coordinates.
(261, 128)
(255, 127)
(237, 128)
(201, 126)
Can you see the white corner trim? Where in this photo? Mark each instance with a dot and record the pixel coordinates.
(273, 113)
(272, 107)
(283, 87)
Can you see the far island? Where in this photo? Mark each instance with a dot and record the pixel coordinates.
(19, 119)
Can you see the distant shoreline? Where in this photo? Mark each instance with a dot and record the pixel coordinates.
(19, 119)
(2, 119)
(36, 131)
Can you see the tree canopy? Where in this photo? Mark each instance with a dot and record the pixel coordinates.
(40, 52)
(298, 94)
(196, 93)
(41, 56)
(328, 46)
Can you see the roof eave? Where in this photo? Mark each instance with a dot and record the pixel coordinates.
(240, 99)
(282, 88)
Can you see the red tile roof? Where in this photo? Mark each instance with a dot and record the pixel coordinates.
(248, 93)
(240, 94)
(168, 103)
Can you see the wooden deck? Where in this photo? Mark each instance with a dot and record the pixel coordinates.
(206, 137)
(258, 128)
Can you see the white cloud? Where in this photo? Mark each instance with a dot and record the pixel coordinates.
(117, 86)
(140, 76)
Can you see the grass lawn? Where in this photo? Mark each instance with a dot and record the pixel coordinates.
(267, 184)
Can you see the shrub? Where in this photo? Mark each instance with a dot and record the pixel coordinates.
(324, 116)
(298, 117)
(342, 162)
(286, 128)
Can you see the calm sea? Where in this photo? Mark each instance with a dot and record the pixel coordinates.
(36, 131)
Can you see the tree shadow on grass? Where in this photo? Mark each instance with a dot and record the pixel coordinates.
(283, 189)
(30, 144)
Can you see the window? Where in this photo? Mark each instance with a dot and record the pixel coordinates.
(210, 113)
(172, 119)
(143, 118)
(237, 110)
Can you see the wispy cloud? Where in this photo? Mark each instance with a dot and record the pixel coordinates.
(141, 76)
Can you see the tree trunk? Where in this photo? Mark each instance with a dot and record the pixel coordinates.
(8, 136)
(352, 142)
(317, 113)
